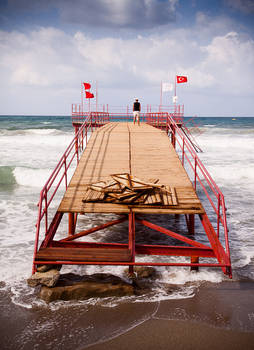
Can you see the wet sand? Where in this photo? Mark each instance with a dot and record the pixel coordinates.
(219, 316)
(186, 335)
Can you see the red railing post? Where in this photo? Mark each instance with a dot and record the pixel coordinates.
(173, 137)
(218, 217)
(76, 143)
(46, 210)
(65, 171)
(195, 174)
(183, 150)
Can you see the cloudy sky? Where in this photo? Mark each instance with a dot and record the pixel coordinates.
(128, 46)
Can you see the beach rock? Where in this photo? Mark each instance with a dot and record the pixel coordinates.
(2, 284)
(75, 287)
(143, 272)
(48, 278)
(45, 268)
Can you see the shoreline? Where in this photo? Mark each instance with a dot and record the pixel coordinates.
(218, 316)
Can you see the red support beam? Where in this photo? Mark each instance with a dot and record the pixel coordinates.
(120, 263)
(52, 229)
(172, 234)
(146, 249)
(93, 229)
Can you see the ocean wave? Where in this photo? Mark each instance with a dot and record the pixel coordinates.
(213, 129)
(27, 132)
(6, 175)
(10, 175)
(31, 177)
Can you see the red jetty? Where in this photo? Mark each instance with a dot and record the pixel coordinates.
(133, 172)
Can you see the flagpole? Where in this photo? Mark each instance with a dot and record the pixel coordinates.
(96, 97)
(175, 85)
(82, 98)
(175, 93)
(160, 98)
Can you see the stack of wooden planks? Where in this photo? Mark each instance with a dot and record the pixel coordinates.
(127, 189)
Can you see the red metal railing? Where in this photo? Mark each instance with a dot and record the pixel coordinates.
(78, 110)
(200, 175)
(160, 118)
(99, 118)
(59, 176)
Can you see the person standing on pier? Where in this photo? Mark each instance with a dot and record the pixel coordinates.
(136, 111)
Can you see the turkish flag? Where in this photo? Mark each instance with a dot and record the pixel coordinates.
(87, 86)
(89, 94)
(181, 79)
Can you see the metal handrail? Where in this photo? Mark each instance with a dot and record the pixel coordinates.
(185, 145)
(71, 152)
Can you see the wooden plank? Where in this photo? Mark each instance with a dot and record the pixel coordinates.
(83, 254)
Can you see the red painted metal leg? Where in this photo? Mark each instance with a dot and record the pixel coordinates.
(132, 240)
(190, 222)
(49, 236)
(194, 260)
(218, 249)
(191, 227)
(71, 224)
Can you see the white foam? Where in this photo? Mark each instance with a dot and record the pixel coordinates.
(31, 177)
(35, 151)
(43, 131)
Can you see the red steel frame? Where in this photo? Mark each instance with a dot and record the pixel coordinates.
(195, 250)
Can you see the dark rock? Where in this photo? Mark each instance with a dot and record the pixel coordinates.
(45, 268)
(75, 287)
(48, 278)
(2, 284)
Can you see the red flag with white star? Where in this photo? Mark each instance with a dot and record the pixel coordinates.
(181, 79)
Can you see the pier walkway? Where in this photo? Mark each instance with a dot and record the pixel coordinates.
(142, 151)
(148, 154)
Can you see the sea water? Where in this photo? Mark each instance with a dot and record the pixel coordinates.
(30, 147)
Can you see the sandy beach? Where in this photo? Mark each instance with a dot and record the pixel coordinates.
(219, 316)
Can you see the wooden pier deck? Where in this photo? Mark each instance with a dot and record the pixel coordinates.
(144, 152)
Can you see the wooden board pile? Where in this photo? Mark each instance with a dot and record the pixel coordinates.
(127, 189)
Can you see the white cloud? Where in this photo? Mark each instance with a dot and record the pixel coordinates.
(54, 61)
(231, 59)
(37, 59)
